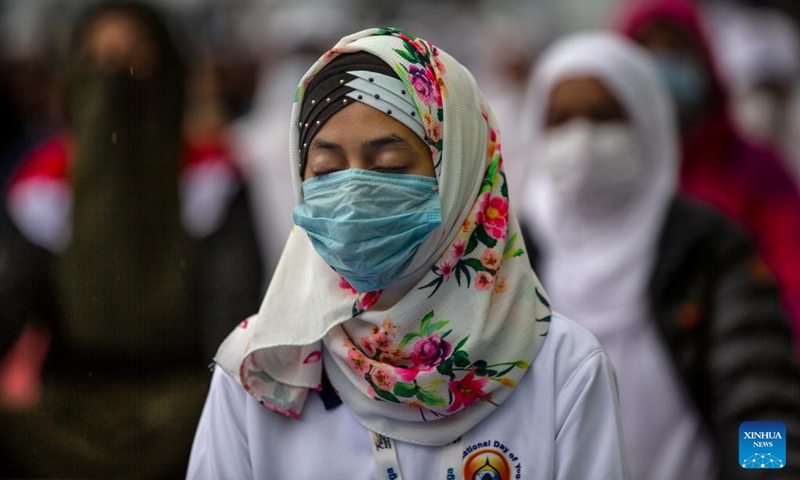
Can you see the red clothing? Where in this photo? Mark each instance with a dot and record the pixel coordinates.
(51, 159)
(39, 196)
(747, 182)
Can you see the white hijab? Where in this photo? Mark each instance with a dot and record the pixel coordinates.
(599, 267)
(432, 355)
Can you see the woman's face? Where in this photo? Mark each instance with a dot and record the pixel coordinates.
(583, 97)
(116, 40)
(360, 136)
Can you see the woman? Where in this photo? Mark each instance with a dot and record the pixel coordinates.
(747, 182)
(129, 252)
(404, 295)
(689, 316)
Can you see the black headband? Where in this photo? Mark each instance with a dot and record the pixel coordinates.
(328, 93)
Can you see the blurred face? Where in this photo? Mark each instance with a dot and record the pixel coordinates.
(590, 152)
(583, 97)
(115, 41)
(683, 68)
(362, 137)
(668, 37)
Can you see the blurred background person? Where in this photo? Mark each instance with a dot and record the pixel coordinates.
(513, 39)
(674, 291)
(130, 255)
(261, 136)
(746, 181)
(759, 52)
(28, 85)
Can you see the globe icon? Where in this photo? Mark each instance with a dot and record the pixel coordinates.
(762, 460)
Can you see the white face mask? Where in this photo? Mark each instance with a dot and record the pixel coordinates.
(595, 167)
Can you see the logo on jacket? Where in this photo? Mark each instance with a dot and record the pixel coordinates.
(490, 460)
(762, 445)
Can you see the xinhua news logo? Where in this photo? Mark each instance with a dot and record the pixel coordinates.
(762, 445)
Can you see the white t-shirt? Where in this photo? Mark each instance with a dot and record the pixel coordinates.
(562, 422)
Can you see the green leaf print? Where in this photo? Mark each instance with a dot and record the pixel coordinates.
(408, 338)
(461, 344)
(406, 56)
(431, 398)
(484, 237)
(404, 389)
(423, 325)
(435, 327)
(461, 359)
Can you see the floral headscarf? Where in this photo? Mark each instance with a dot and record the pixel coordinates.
(471, 315)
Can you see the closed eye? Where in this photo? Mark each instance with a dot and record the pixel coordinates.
(390, 169)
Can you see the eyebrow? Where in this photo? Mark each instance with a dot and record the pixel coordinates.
(325, 145)
(378, 143)
(366, 146)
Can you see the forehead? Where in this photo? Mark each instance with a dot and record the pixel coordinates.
(667, 35)
(120, 35)
(581, 90)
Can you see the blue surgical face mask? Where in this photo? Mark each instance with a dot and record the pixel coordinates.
(684, 78)
(368, 225)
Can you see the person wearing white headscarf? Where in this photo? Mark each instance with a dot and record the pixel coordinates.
(673, 292)
(759, 53)
(429, 350)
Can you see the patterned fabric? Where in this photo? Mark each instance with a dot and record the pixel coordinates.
(432, 355)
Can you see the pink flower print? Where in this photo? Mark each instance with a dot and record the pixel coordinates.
(440, 67)
(313, 357)
(357, 361)
(244, 323)
(493, 215)
(371, 391)
(368, 346)
(459, 249)
(434, 153)
(368, 299)
(422, 81)
(489, 259)
(466, 226)
(430, 352)
(407, 374)
(492, 145)
(419, 45)
(383, 378)
(435, 133)
(441, 91)
(381, 341)
(388, 326)
(482, 203)
(466, 391)
(427, 119)
(345, 285)
(445, 270)
(484, 281)
(405, 37)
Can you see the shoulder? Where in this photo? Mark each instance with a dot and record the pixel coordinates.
(764, 170)
(210, 182)
(693, 229)
(571, 354)
(38, 197)
(48, 161)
